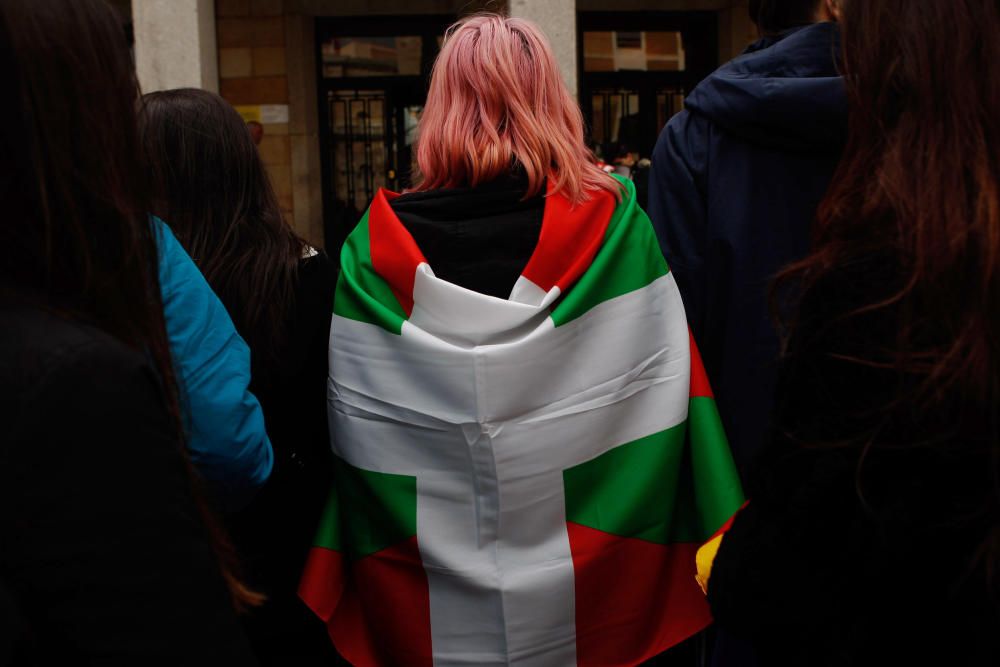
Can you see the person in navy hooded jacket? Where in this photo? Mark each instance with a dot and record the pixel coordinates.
(736, 179)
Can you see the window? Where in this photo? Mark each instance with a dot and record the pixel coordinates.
(643, 51)
(371, 56)
(615, 113)
(357, 119)
(668, 103)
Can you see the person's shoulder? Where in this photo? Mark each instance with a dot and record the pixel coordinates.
(315, 260)
(628, 199)
(317, 271)
(49, 338)
(41, 350)
(27, 330)
(686, 125)
(316, 283)
(685, 134)
(626, 186)
(628, 213)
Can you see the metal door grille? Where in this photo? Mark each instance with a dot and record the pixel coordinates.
(358, 127)
(610, 109)
(669, 102)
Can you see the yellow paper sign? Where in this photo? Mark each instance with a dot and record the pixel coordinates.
(249, 112)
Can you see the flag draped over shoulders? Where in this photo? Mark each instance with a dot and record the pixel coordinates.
(522, 481)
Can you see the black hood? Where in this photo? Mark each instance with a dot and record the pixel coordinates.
(782, 91)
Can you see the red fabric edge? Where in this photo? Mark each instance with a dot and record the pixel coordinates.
(395, 255)
(569, 240)
(700, 386)
(634, 599)
(359, 601)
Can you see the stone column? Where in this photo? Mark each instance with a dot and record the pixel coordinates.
(557, 18)
(303, 128)
(175, 44)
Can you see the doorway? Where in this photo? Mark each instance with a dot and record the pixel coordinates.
(635, 70)
(373, 76)
(372, 135)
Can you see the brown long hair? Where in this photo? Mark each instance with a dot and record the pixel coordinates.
(919, 185)
(210, 186)
(76, 237)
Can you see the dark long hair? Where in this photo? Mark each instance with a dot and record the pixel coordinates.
(210, 186)
(76, 237)
(919, 186)
(776, 16)
(74, 202)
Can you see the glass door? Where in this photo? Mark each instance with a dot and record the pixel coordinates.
(358, 132)
(635, 69)
(373, 76)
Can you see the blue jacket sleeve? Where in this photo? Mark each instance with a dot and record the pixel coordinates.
(678, 208)
(225, 423)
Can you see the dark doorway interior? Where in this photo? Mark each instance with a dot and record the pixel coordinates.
(373, 76)
(635, 70)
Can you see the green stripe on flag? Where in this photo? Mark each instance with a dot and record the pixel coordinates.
(629, 259)
(717, 489)
(367, 511)
(383, 508)
(678, 485)
(328, 534)
(629, 491)
(362, 294)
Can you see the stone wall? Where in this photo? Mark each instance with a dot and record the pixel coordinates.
(557, 18)
(174, 44)
(253, 71)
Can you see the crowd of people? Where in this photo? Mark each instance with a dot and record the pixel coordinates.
(514, 420)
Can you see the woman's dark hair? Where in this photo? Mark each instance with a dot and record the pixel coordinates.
(773, 17)
(76, 237)
(919, 187)
(210, 186)
(74, 202)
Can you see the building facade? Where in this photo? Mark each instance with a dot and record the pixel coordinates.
(339, 84)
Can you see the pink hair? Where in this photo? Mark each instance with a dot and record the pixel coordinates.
(497, 100)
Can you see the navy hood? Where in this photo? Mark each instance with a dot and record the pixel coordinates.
(782, 92)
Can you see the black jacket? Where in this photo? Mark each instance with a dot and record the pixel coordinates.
(736, 179)
(104, 558)
(859, 543)
(274, 533)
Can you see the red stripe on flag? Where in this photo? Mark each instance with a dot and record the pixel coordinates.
(395, 255)
(569, 239)
(700, 386)
(378, 615)
(322, 583)
(634, 599)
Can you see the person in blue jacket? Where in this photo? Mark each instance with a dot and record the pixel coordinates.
(736, 180)
(226, 440)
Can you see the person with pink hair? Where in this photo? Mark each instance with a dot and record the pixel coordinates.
(528, 453)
